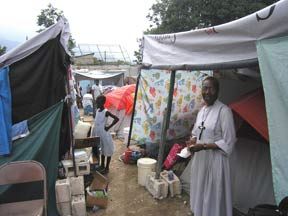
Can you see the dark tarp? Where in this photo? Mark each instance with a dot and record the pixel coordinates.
(42, 144)
(38, 82)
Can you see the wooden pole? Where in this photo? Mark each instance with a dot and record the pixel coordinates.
(165, 125)
(133, 111)
(70, 119)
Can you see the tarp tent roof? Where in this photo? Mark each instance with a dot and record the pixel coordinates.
(229, 45)
(98, 74)
(30, 46)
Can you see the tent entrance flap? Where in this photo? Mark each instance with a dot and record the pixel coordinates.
(251, 107)
(273, 60)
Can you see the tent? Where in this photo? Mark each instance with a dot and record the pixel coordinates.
(261, 37)
(105, 77)
(33, 78)
(120, 102)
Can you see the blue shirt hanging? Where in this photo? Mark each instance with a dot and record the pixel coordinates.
(5, 112)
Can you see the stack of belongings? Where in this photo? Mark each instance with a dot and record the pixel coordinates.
(70, 196)
(88, 104)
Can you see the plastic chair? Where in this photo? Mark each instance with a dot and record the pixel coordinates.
(15, 173)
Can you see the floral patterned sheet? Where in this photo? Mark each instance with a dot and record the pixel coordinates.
(152, 98)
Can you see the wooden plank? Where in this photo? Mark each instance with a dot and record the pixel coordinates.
(87, 142)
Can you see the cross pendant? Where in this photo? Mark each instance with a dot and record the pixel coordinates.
(202, 128)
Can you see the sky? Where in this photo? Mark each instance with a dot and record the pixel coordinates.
(91, 21)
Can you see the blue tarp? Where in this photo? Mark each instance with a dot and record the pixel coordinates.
(5, 112)
(273, 61)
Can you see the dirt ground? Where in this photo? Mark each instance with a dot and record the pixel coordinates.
(127, 198)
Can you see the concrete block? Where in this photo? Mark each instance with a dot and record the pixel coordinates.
(69, 168)
(64, 208)
(157, 187)
(83, 168)
(78, 205)
(62, 189)
(174, 184)
(76, 185)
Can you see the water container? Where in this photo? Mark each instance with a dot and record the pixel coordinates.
(126, 134)
(145, 167)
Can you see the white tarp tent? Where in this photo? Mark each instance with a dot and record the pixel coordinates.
(30, 46)
(238, 44)
(230, 44)
(106, 77)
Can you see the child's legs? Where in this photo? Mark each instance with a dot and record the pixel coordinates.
(102, 162)
(108, 162)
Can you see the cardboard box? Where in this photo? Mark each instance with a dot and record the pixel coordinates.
(97, 191)
(97, 200)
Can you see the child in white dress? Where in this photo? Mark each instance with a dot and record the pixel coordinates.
(100, 129)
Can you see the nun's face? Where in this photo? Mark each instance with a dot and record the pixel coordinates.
(209, 92)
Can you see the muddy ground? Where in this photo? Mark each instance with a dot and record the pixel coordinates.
(127, 198)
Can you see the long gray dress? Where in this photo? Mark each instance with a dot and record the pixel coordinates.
(210, 188)
(106, 142)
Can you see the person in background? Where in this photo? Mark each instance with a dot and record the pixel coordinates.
(79, 96)
(96, 91)
(88, 89)
(213, 139)
(100, 129)
(87, 103)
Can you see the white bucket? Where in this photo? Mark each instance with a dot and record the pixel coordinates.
(145, 167)
(126, 134)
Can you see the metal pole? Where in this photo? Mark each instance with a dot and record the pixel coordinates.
(69, 79)
(133, 111)
(165, 125)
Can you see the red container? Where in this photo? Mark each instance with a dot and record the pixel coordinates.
(127, 156)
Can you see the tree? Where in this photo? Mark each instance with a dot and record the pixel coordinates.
(138, 54)
(50, 16)
(2, 50)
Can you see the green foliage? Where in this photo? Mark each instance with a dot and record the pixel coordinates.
(50, 16)
(2, 50)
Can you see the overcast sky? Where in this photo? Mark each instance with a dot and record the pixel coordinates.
(91, 21)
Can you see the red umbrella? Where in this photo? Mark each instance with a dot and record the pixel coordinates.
(121, 98)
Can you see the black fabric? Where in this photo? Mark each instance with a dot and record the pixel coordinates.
(29, 191)
(283, 205)
(264, 211)
(38, 82)
(270, 210)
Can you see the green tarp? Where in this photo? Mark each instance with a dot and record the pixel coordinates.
(273, 60)
(42, 144)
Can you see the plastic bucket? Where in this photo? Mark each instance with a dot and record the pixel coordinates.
(145, 167)
(126, 134)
